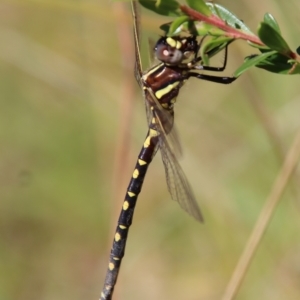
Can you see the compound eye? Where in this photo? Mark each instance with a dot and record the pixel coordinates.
(168, 53)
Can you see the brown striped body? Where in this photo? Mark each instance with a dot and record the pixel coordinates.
(125, 219)
(161, 84)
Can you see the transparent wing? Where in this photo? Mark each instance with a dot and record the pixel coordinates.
(172, 137)
(178, 185)
(169, 144)
(164, 120)
(138, 70)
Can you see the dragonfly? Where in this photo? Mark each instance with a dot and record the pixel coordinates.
(178, 61)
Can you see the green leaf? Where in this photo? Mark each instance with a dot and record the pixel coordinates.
(280, 64)
(271, 61)
(177, 23)
(260, 47)
(227, 16)
(213, 47)
(252, 61)
(273, 39)
(203, 28)
(200, 6)
(270, 20)
(165, 27)
(162, 7)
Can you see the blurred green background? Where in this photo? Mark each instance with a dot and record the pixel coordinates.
(67, 95)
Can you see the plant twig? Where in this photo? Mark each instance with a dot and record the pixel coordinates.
(216, 21)
(267, 212)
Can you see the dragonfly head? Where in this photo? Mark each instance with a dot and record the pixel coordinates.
(173, 50)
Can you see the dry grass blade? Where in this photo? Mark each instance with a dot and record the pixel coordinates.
(126, 101)
(279, 186)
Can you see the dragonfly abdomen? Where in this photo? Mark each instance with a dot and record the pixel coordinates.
(125, 219)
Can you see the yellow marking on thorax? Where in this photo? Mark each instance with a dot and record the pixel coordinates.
(116, 258)
(136, 173)
(111, 266)
(125, 205)
(102, 295)
(122, 226)
(155, 68)
(160, 93)
(117, 237)
(142, 162)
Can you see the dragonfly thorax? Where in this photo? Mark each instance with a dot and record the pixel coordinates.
(163, 81)
(162, 84)
(173, 50)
